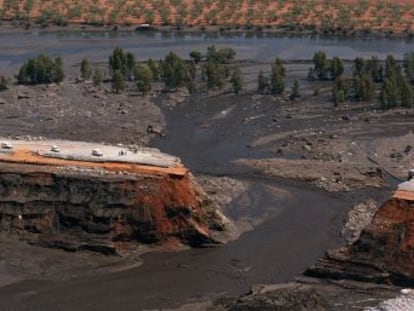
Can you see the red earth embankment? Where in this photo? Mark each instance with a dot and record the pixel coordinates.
(383, 252)
(105, 207)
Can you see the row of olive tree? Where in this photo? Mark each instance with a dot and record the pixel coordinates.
(216, 68)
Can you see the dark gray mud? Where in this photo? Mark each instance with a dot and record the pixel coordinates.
(294, 223)
(303, 224)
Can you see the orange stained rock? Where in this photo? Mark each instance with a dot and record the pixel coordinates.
(23, 155)
(404, 195)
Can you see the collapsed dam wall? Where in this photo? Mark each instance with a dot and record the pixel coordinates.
(384, 251)
(75, 202)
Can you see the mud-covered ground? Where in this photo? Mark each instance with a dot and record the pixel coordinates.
(286, 173)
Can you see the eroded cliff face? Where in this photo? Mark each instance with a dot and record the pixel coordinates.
(383, 253)
(104, 210)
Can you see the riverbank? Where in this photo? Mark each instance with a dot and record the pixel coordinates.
(345, 16)
(209, 30)
(284, 171)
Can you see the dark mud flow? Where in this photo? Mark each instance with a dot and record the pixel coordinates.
(294, 225)
(303, 224)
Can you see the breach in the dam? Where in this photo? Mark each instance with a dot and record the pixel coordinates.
(88, 196)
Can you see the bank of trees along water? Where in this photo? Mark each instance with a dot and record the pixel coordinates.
(389, 81)
(41, 69)
(213, 70)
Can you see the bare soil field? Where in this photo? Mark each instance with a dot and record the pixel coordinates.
(346, 16)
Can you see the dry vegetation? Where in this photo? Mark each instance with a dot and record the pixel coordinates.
(324, 15)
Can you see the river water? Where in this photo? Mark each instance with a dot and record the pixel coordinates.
(17, 46)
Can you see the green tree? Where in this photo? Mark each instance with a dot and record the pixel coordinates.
(342, 89)
(118, 83)
(359, 67)
(338, 96)
(237, 80)
(295, 91)
(221, 56)
(58, 72)
(364, 87)
(98, 76)
(130, 65)
(389, 93)
(277, 83)
(375, 69)
(407, 94)
(262, 83)
(154, 69)
(227, 55)
(392, 69)
(321, 65)
(143, 77)
(41, 69)
(409, 66)
(86, 69)
(195, 56)
(278, 67)
(4, 83)
(173, 71)
(118, 62)
(214, 74)
(337, 67)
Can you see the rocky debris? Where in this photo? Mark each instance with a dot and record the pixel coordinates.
(307, 295)
(73, 210)
(394, 154)
(78, 111)
(382, 253)
(401, 303)
(23, 96)
(20, 260)
(176, 98)
(285, 298)
(222, 190)
(327, 175)
(357, 219)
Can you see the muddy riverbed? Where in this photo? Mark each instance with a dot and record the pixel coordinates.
(280, 169)
(18, 45)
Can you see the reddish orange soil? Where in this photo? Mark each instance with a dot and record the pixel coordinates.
(404, 195)
(396, 16)
(161, 204)
(21, 155)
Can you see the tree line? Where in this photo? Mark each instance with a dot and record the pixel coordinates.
(390, 81)
(393, 80)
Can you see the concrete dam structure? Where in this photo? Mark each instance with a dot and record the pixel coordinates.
(86, 196)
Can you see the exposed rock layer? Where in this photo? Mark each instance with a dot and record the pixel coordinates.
(101, 210)
(384, 252)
